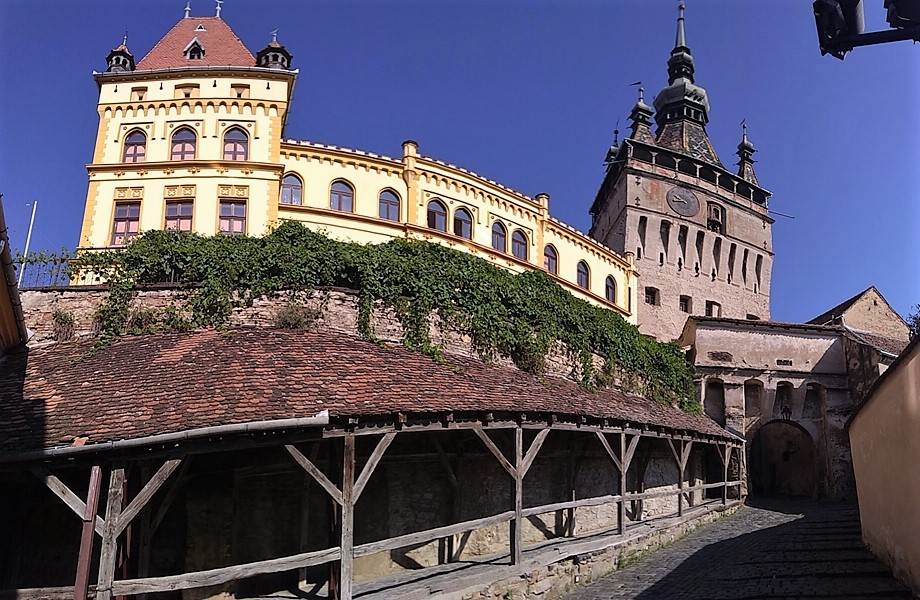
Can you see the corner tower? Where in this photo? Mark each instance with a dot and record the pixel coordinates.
(189, 137)
(701, 234)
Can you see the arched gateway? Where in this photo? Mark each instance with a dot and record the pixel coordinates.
(783, 460)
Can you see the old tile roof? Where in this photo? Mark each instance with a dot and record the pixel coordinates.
(65, 394)
(835, 313)
(887, 345)
(688, 138)
(221, 46)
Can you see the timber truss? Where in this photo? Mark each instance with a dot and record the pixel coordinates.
(616, 441)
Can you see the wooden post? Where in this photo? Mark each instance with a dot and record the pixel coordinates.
(109, 550)
(621, 507)
(726, 459)
(570, 483)
(305, 517)
(517, 497)
(88, 534)
(348, 519)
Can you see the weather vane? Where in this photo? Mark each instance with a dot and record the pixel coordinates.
(219, 2)
(275, 35)
(188, 8)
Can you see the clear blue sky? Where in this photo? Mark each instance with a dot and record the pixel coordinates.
(526, 92)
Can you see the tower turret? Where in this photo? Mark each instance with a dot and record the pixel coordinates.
(120, 59)
(641, 117)
(745, 161)
(274, 56)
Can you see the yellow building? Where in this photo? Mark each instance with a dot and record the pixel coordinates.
(191, 138)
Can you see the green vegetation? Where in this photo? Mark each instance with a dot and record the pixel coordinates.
(521, 316)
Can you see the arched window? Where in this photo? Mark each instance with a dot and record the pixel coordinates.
(753, 398)
(782, 400)
(499, 239)
(236, 144)
(437, 216)
(342, 197)
(551, 260)
(584, 276)
(135, 147)
(610, 290)
(183, 145)
(389, 205)
(519, 244)
(815, 399)
(463, 223)
(291, 190)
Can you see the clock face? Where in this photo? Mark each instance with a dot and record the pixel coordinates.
(683, 201)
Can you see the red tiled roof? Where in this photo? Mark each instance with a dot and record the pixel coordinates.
(155, 384)
(880, 342)
(221, 46)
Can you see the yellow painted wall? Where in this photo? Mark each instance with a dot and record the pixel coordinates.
(415, 179)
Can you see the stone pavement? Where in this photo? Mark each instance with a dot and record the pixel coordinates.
(769, 549)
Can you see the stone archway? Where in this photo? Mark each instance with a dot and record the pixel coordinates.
(783, 460)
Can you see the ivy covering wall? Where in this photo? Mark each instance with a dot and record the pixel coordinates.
(521, 316)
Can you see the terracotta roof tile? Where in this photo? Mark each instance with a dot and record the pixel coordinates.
(155, 384)
(221, 46)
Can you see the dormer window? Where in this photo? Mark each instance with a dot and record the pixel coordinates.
(200, 28)
(194, 50)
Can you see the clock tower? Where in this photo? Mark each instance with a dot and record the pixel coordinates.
(700, 232)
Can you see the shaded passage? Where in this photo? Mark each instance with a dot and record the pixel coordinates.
(769, 549)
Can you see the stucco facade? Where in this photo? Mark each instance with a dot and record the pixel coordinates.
(787, 389)
(886, 450)
(144, 177)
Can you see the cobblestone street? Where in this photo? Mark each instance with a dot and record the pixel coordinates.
(770, 549)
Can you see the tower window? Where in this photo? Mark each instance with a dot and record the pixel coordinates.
(463, 223)
(138, 94)
(610, 290)
(187, 91)
(239, 90)
(236, 144)
(179, 216)
(342, 197)
(499, 237)
(519, 244)
(389, 205)
(437, 216)
(291, 190)
(184, 141)
(135, 147)
(583, 275)
(652, 296)
(713, 309)
(126, 223)
(551, 260)
(232, 217)
(716, 218)
(686, 304)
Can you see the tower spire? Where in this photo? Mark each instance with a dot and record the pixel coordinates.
(745, 157)
(188, 8)
(681, 40)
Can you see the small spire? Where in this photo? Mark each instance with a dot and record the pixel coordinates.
(744, 139)
(188, 8)
(746, 157)
(681, 40)
(275, 35)
(641, 94)
(616, 134)
(217, 12)
(124, 40)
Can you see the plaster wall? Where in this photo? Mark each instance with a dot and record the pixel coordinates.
(872, 313)
(886, 451)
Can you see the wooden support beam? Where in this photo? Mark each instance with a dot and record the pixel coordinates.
(602, 437)
(346, 581)
(422, 537)
(532, 451)
(495, 451)
(372, 462)
(88, 535)
(109, 550)
(185, 581)
(631, 451)
(314, 471)
(64, 493)
(170, 496)
(517, 497)
(146, 493)
(621, 506)
(725, 462)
